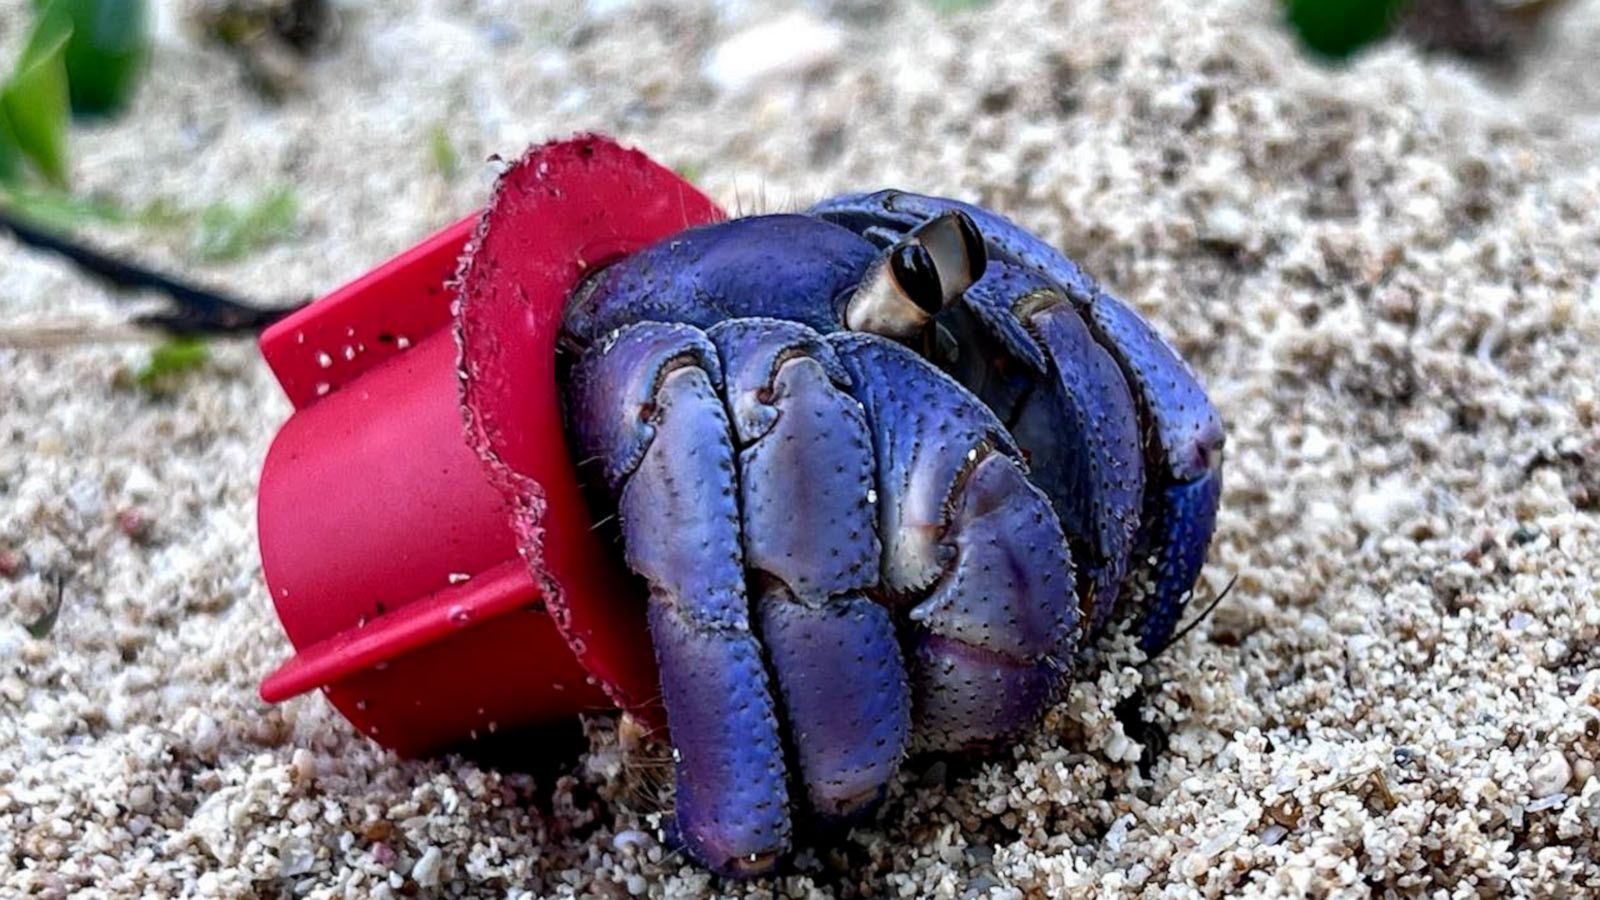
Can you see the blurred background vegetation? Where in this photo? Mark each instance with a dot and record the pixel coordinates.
(82, 61)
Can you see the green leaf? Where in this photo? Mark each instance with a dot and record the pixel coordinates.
(10, 151)
(229, 232)
(35, 100)
(107, 53)
(689, 171)
(1338, 28)
(445, 159)
(172, 358)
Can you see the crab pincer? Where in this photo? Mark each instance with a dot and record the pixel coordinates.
(1180, 431)
(882, 467)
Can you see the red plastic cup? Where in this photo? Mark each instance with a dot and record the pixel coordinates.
(423, 535)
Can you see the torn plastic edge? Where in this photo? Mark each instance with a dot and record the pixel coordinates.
(597, 201)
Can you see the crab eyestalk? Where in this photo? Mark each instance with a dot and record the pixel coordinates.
(917, 277)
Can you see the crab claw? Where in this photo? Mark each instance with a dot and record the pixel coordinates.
(972, 551)
(1182, 433)
(1183, 455)
(1076, 423)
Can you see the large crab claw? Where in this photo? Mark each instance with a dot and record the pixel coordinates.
(855, 462)
(1095, 488)
(808, 495)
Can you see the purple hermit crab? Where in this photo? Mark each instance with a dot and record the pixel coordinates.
(883, 466)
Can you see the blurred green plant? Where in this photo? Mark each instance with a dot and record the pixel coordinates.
(228, 232)
(61, 211)
(1338, 28)
(80, 56)
(34, 104)
(446, 161)
(170, 359)
(107, 53)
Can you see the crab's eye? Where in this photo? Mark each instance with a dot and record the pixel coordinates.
(953, 249)
(922, 273)
(918, 277)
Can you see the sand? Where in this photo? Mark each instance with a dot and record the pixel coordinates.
(1388, 275)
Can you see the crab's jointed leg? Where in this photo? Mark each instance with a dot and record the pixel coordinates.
(811, 545)
(653, 419)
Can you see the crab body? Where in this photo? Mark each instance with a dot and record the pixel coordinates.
(883, 467)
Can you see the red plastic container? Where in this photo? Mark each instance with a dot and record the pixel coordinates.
(422, 531)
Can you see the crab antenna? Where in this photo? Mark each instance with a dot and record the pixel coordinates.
(917, 277)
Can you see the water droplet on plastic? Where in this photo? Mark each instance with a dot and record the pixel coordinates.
(361, 704)
(493, 726)
(459, 577)
(349, 352)
(872, 495)
(402, 342)
(460, 615)
(323, 359)
(323, 388)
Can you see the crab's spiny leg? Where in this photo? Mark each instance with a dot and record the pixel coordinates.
(649, 410)
(1077, 426)
(812, 547)
(1189, 517)
(971, 547)
(1186, 441)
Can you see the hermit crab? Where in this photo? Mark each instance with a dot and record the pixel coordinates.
(883, 466)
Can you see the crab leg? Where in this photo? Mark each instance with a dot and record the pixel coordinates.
(971, 547)
(811, 545)
(652, 416)
(1186, 440)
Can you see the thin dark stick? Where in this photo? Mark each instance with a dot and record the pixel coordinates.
(199, 310)
(1204, 613)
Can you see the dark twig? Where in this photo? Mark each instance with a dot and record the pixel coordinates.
(1204, 614)
(198, 309)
